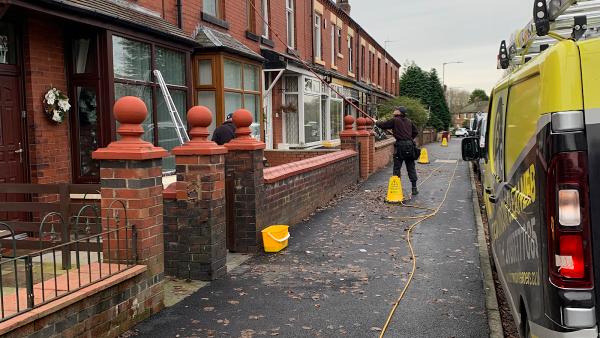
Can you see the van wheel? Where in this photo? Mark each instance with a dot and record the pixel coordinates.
(526, 330)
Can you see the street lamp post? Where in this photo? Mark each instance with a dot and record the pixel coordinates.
(444, 71)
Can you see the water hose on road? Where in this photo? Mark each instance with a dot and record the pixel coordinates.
(410, 229)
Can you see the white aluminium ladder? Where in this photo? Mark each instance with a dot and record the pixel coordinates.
(552, 21)
(180, 128)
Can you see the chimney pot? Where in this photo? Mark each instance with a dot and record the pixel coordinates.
(344, 5)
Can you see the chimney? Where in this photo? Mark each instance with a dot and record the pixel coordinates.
(344, 5)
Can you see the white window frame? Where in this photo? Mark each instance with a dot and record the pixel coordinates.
(333, 49)
(350, 54)
(265, 14)
(318, 47)
(290, 23)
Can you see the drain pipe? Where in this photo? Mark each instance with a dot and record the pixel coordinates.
(179, 14)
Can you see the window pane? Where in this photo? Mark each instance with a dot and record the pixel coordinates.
(205, 74)
(312, 119)
(251, 103)
(324, 99)
(144, 93)
(251, 78)
(211, 7)
(233, 74)
(87, 127)
(167, 135)
(291, 84)
(290, 29)
(233, 102)
(84, 56)
(172, 66)
(8, 44)
(207, 99)
(336, 118)
(131, 59)
(291, 119)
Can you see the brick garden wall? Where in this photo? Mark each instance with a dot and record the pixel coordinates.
(107, 312)
(384, 153)
(293, 192)
(280, 157)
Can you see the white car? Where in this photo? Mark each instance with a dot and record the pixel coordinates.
(461, 132)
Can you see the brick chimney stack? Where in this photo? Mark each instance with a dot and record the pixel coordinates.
(344, 5)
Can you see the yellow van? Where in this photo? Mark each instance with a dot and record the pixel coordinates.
(541, 178)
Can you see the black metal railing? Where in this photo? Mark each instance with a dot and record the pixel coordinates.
(40, 278)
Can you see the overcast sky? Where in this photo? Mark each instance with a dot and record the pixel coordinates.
(431, 32)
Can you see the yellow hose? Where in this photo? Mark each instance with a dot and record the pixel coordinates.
(412, 252)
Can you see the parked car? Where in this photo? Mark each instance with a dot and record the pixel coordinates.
(461, 132)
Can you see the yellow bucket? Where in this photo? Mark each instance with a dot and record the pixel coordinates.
(275, 238)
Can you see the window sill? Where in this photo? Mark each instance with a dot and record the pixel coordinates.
(252, 36)
(319, 62)
(267, 42)
(291, 51)
(334, 67)
(215, 21)
(340, 55)
(351, 74)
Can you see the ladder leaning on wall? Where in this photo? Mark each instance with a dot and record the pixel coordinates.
(553, 21)
(180, 128)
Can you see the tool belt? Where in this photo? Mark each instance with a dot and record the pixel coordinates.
(407, 150)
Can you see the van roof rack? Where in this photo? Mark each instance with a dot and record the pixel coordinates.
(553, 21)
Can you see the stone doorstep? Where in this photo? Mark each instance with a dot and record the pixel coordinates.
(59, 304)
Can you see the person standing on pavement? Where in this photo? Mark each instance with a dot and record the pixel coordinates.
(405, 132)
(225, 132)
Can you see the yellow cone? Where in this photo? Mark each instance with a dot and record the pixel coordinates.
(424, 158)
(444, 142)
(395, 194)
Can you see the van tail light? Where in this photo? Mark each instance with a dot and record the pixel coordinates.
(569, 241)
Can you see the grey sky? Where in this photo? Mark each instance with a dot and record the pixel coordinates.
(431, 32)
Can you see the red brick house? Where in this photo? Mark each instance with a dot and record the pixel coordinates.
(215, 53)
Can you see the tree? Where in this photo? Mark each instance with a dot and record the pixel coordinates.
(416, 110)
(457, 99)
(414, 83)
(440, 117)
(478, 95)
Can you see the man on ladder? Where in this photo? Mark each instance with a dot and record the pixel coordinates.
(405, 132)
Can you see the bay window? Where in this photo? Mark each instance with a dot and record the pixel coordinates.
(133, 62)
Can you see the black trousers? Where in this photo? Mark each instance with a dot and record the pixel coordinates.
(410, 167)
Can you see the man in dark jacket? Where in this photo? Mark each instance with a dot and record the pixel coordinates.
(405, 132)
(225, 132)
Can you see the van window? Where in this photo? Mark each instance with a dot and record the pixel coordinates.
(521, 121)
(496, 121)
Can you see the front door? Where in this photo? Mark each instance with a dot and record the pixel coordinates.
(12, 143)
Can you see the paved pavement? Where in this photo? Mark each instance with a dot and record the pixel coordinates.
(345, 267)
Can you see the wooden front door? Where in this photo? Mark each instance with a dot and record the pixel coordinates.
(11, 141)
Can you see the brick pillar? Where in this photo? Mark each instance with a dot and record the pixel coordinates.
(348, 135)
(244, 169)
(363, 137)
(131, 173)
(200, 195)
(370, 126)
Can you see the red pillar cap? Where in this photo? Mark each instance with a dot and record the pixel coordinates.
(348, 127)
(361, 124)
(243, 141)
(131, 112)
(199, 118)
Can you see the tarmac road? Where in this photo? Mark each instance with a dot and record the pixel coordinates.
(346, 266)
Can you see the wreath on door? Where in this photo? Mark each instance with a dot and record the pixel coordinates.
(56, 105)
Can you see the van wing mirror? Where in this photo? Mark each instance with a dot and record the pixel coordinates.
(470, 149)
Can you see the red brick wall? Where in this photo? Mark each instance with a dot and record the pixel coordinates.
(49, 146)
(292, 199)
(280, 157)
(384, 152)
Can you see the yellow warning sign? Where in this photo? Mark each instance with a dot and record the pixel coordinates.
(395, 193)
(444, 142)
(424, 158)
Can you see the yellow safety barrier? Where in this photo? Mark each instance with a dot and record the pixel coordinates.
(395, 193)
(424, 158)
(275, 238)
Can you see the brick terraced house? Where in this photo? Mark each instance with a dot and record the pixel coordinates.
(216, 53)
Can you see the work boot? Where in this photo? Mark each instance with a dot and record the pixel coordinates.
(415, 191)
